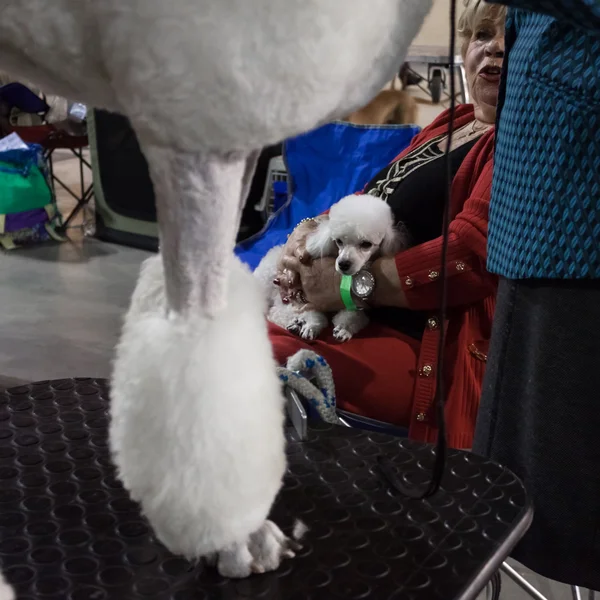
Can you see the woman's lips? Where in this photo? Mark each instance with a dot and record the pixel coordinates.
(491, 74)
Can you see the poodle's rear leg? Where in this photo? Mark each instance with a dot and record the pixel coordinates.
(347, 323)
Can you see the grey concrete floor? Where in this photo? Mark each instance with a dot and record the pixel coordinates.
(61, 307)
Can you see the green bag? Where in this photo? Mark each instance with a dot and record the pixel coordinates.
(23, 186)
(28, 212)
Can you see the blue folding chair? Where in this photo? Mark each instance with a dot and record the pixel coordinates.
(323, 166)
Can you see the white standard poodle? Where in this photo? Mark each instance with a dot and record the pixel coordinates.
(196, 410)
(357, 230)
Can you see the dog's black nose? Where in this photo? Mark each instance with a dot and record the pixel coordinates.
(344, 265)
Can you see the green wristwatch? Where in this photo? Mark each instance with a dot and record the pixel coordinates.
(360, 285)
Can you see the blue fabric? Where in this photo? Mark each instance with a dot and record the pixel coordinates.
(20, 160)
(323, 166)
(545, 205)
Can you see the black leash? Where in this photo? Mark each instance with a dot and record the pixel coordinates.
(441, 448)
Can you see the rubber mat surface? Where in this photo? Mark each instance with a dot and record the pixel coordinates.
(69, 531)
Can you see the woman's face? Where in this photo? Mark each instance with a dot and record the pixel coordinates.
(483, 65)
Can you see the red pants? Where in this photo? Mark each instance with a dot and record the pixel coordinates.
(374, 372)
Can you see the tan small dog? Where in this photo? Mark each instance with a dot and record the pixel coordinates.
(391, 107)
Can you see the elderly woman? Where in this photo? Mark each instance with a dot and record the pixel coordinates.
(387, 372)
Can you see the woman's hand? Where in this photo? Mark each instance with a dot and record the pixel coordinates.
(320, 286)
(293, 256)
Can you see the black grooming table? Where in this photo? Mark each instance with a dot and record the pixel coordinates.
(70, 532)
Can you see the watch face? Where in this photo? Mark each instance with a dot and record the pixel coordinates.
(363, 284)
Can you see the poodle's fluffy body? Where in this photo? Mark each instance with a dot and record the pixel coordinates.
(203, 455)
(359, 229)
(197, 413)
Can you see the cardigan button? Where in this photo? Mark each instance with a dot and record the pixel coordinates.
(408, 282)
(421, 417)
(433, 275)
(460, 266)
(433, 323)
(426, 371)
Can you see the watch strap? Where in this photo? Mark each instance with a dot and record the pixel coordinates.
(346, 293)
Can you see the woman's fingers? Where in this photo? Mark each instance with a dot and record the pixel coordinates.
(299, 297)
(303, 256)
(287, 279)
(291, 263)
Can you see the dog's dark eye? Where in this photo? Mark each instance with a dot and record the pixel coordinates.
(339, 242)
(366, 245)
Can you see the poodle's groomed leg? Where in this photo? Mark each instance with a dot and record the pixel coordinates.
(199, 201)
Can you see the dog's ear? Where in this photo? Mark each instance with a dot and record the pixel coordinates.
(319, 243)
(396, 238)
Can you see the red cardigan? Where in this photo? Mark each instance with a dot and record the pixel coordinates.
(471, 294)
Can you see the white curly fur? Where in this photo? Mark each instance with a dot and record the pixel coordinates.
(203, 455)
(351, 221)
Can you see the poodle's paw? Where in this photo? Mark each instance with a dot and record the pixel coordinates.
(262, 553)
(311, 324)
(341, 334)
(269, 546)
(347, 323)
(235, 562)
(308, 331)
(304, 329)
(295, 327)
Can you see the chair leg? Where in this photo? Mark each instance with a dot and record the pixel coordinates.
(576, 591)
(522, 582)
(80, 204)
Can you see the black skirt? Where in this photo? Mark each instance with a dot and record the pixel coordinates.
(540, 417)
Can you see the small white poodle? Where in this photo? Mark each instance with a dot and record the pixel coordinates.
(359, 229)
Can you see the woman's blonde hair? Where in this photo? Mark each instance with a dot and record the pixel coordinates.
(475, 13)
